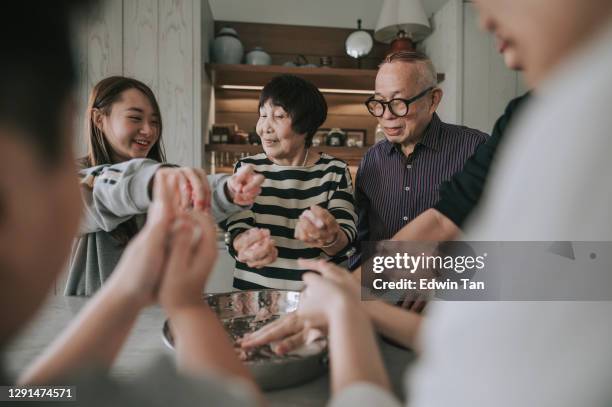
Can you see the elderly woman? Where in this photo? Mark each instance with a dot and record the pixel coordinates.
(305, 209)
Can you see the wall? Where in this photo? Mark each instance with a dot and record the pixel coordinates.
(445, 48)
(478, 85)
(158, 42)
(488, 85)
(321, 13)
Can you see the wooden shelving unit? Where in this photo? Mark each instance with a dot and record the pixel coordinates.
(259, 75)
(326, 78)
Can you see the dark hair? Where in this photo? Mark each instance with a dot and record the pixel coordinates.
(301, 100)
(102, 97)
(104, 94)
(37, 73)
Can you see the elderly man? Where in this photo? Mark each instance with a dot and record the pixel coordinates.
(399, 177)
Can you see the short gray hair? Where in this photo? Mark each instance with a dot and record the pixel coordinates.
(428, 75)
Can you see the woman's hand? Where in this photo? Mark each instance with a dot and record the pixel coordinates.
(317, 227)
(329, 293)
(244, 185)
(194, 190)
(255, 247)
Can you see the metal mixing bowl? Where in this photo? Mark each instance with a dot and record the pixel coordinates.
(270, 371)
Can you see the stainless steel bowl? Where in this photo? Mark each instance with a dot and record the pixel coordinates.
(270, 371)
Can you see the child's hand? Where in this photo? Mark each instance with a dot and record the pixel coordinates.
(194, 190)
(245, 185)
(255, 247)
(317, 227)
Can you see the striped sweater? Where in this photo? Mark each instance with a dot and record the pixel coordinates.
(286, 192)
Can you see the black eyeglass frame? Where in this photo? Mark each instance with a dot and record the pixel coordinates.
(387, 105)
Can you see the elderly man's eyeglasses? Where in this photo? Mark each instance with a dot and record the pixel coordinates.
(398, 107)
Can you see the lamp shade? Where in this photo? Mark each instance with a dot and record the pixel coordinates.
(401, 15)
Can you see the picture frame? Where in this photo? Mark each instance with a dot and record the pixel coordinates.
(355, 137)
(319, 137)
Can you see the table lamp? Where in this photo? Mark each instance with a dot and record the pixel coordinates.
(401, 23)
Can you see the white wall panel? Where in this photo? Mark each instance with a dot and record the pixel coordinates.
(105, 41)
(176, 78)
(140, 45)
(158, 42)
(445, 47)
(488, 85)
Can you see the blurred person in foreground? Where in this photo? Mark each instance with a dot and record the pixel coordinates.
(167, 262)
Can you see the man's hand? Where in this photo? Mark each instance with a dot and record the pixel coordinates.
(244, 185)
(255, 247)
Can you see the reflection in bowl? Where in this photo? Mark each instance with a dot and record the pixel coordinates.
(241, 312)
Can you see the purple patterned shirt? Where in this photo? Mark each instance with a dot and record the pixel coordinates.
(392, 189)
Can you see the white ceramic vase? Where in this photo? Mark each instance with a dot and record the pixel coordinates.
(226, 47)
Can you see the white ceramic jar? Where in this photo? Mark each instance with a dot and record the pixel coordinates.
(258, 57)
(226, 47)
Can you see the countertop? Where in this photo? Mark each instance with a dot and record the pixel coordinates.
(145, 344)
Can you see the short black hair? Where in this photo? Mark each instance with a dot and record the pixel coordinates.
(301, 99)
(37, 73)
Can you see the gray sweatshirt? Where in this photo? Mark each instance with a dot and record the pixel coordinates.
(113, 194)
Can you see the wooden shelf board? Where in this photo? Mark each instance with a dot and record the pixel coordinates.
(259, 75)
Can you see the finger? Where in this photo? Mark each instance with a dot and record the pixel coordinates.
(253, 184)
(309, 229)
(291, 343)
(329, 221)
(279, 329)
(180, 245)
(311, 278)
(206, 250)
(166, 201)
(326, 269)
(200, 190)
(419, 306)
(270, 257)
(313, 217)
(257, 251)
(243, 173)
(184, 192)
(248, 238)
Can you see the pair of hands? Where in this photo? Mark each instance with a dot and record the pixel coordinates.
(316, 227)
(170, 259)
(194, 191)
(332, 292)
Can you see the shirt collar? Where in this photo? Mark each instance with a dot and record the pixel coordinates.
(431, 138)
